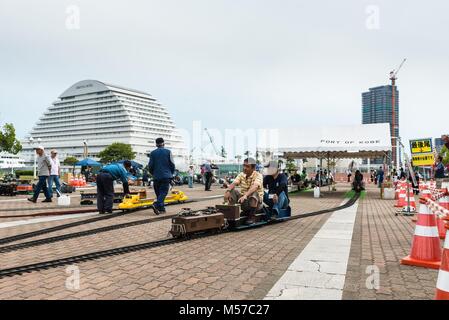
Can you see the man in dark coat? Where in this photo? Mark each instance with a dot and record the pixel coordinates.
(162, 168)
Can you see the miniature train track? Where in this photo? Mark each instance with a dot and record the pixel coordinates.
(32, 234)
(68, 236)
(138, 247)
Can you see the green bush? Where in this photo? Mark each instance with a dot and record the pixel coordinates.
(19, 173)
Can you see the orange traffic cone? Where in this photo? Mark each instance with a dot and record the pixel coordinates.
(426, 194)
(426, 248)
(441, 224)
(401, 198)
(443, 275)
(444, 202)
(440, 220)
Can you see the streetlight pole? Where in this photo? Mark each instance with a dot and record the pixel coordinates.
(85, 153)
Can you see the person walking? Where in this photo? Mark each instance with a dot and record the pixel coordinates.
(439, 172)
(105, 184)
(43, 172)
(55, 172)
(145, 178)
(162, 168)
(380, 176)
(190, 175)
(349, 174)
(207, 175)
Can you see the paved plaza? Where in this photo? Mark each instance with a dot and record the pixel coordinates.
(326, 256)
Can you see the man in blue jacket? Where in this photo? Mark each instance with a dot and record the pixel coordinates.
(105, 184)
(162, 168)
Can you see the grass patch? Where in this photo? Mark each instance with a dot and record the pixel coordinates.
(351, 194)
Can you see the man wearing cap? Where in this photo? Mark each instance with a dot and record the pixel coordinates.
(277, 185)
(207, 175)
(162, 168)
(43, 172)
(105, 184)
(55, 172)
(251, 190)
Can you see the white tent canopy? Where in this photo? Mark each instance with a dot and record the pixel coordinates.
(353, 141)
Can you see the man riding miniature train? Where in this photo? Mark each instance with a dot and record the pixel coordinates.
(251, 190)
(277, 185)
(252, 194)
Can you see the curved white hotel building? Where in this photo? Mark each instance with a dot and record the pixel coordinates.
(97, 114)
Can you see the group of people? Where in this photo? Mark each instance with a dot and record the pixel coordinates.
(48, 171)
(252, 183)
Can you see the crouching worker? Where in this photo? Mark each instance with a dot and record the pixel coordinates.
(251, 190)
(358, 184)
(105, 184)
(277, 185)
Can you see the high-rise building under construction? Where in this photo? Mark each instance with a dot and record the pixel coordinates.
(377, 108)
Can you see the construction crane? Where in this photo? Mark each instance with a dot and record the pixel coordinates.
(394, 125)
(212, 142)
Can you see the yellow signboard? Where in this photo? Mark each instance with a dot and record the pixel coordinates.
(423, 160)
(421, 146)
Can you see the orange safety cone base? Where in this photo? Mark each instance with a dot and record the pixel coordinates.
(441, 295)
(409, 261)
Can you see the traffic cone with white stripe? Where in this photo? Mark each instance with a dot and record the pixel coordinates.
(401, 198)
(426, 194)
(444, 202)
(426, 247)
(443, 275)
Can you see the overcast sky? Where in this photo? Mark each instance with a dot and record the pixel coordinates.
(230, 63)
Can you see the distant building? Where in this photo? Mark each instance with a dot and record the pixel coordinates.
(439, 144)
(11, 161)
(99, 114)
(377, 108)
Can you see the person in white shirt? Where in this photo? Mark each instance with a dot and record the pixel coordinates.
(191, 174)
(54, 174)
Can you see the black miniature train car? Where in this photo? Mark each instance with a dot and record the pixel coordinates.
(218, 218)
(8, 189)
(189, 222)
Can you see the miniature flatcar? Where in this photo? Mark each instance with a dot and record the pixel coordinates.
(140, 200)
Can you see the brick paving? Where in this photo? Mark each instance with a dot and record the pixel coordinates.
(239, 265)
(382, 239)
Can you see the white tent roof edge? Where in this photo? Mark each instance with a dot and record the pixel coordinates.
(351, 141)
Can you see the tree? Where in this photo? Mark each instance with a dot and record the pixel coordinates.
(290, 166)
(445, 154)
(116, 152)
(8, 141)
(70, 161)
(247, 153)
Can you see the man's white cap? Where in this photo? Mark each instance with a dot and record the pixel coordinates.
(54, 151)
(271, 167)
(39, 147)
